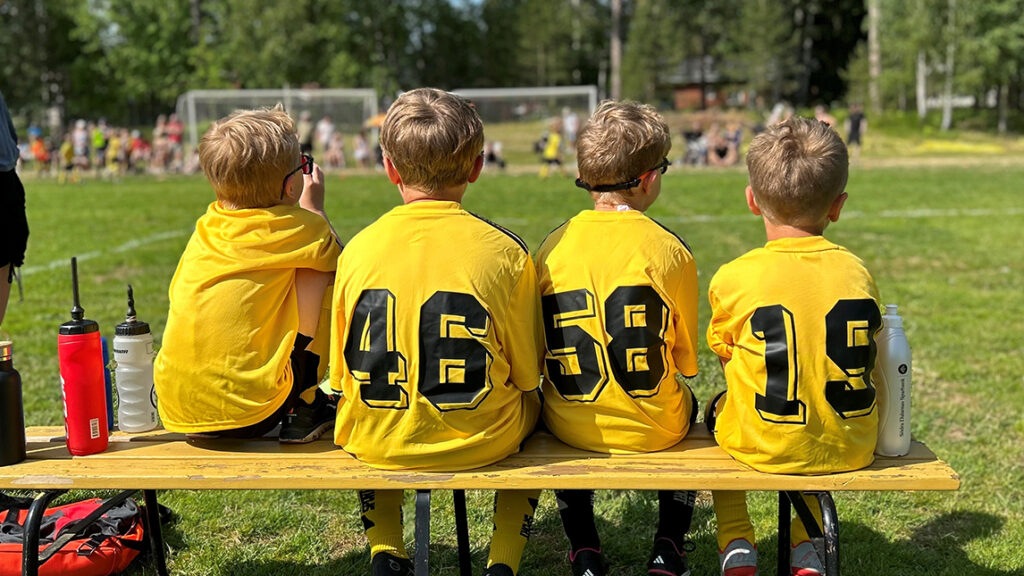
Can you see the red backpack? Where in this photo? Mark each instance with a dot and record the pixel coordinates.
(90, 538)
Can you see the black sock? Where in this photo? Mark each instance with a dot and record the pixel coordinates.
(304, 368)
(577, 510)
(675, 512)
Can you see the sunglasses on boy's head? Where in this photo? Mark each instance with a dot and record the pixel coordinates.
(662, 166)
(306, 167)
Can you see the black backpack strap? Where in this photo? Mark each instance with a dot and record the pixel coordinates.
(74, 529)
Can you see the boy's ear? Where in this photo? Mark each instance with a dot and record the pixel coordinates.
(392, 172)
(836, 208)
(478, 166)
(752, 202)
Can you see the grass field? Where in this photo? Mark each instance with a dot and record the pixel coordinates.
(943, 243)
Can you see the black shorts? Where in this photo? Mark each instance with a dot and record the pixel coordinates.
(13, 222)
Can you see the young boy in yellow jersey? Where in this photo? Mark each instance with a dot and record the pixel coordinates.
(436, 336)
(793, 323)
(619, 297)
(551, 154)
(249, 323)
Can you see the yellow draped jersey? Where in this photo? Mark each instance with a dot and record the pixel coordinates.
(619, 297)
(553, 147)
(795, 321)
(436, 340)
(224, 360)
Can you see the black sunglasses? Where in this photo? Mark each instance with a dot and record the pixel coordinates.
(662, 166)
(306, 167)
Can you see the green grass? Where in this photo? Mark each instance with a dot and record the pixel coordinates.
(942, 242)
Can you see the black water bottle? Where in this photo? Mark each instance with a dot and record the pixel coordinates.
(12, 418)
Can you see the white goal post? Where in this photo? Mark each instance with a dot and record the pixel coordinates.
(532, 103)
(349, 108)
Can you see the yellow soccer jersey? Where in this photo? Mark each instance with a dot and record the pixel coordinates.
(553, 147)
(224, 360)
(436, 340)
(619, 298)
(796, 321)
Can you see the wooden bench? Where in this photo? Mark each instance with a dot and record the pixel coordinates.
(162, 460)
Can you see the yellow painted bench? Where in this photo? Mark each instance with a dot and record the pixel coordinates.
(162, 460)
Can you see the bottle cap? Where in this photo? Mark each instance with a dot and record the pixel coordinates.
(131, 326)
(6, 350)
(76, 327)
(891, 310)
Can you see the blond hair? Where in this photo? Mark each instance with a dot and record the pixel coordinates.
(432, 138)
(621, 141)
(797, 169)
(246, 155)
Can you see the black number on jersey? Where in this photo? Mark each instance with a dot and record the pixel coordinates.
(575, 361)
(850, 328)
(850, 343)
(635, 319)
(370, 351)
(774, 326)
(455, 366)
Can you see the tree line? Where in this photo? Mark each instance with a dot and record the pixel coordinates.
(129, 60)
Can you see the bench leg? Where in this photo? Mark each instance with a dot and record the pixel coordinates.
(784, 526)
(156, 539)
(30, 540)
(825, 539)
(462, 532)
(830, 524)
(422, 562)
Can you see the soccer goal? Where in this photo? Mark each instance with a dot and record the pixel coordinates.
(538, 103)
(349, 109)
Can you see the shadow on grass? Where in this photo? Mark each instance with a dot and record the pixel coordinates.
(936, 547)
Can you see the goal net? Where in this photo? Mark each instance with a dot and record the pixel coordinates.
(517, 117)
(500, 105)
(348, 109)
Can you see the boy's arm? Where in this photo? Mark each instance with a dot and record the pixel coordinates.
(684, 308)
(312, 197)
(523, 335)
(338, 328)
(720, 338)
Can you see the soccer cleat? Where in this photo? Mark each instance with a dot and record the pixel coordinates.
(739, 558)
(499, 570)
(306, 422)
(588, 562)
(804, 561)
(384, 564)
(667, 560)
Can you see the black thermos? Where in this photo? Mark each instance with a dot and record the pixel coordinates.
(12, 418)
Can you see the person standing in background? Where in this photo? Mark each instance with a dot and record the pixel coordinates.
(13, 223)
(856, 126)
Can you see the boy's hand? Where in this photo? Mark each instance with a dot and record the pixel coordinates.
(312, 197)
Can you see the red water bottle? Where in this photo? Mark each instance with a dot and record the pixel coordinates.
(81, 380)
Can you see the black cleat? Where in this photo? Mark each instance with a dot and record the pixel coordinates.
(588, 562)
(499, 570)
(384, 564)
(306, 422)
(667, 560)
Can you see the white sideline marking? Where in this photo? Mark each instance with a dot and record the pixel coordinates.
(514, 221)
(129, 245)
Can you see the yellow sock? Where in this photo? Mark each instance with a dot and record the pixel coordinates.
(382, 521)
(513, 520)
(733, 518)
(798, 533)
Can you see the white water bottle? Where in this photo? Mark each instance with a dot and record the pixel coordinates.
(892, 380)
(133, 373)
